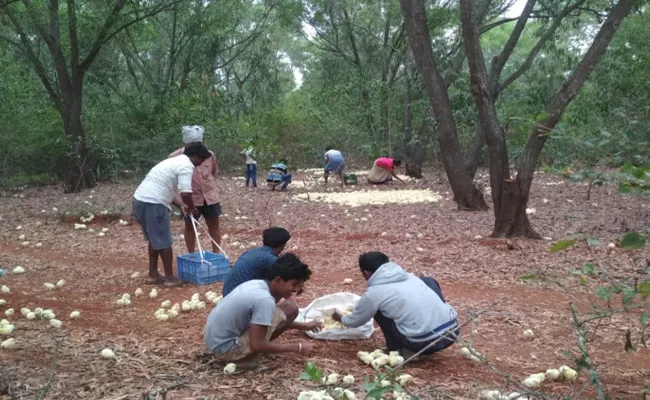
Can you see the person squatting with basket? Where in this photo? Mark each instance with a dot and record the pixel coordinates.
(255, 263)
(204, 192)
(410, 311)
(151, 206)
(246, 322)
(279, 175)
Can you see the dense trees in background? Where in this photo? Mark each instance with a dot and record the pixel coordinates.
(94, 91)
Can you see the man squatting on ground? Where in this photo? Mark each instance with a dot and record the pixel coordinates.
(152, 201)
(410, 311)
(255, 263)
(245, 323)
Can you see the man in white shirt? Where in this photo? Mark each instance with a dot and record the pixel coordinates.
(333, 163)
(251, 164)
(152, 202)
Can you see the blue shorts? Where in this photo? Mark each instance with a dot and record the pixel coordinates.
(155, 222)
(335, 166)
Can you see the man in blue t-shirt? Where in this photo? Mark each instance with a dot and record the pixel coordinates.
(333, 163)
(255, 263)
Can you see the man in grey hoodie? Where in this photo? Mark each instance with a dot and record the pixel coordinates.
(410, 311)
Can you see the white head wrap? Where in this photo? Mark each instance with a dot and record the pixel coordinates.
(192, 134)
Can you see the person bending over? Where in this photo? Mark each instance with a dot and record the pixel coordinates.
(245, 323)
(383, 170)
(255, 263)
(410, 311)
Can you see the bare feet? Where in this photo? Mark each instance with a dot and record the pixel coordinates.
(248, 363)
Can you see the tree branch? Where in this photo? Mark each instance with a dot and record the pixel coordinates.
(36, 62)
(500, 61)
(568, 91)
(101, 36)
(74, 41)
(528, 62)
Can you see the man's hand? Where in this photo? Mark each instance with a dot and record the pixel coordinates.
(336, 316)
(307, 348)
(313, 325)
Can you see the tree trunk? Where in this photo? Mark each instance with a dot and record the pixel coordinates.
(488, 120)
(78, 174)
(415, 150)
(466, 195)
(513, 220)
(473, 155)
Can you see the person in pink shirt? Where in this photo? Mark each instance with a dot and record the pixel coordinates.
(383, 170)
(204, 191)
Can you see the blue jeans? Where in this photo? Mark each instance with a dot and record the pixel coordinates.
(251, 173)
(286, 180)
(395, 340)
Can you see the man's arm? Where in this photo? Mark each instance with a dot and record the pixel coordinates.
(188, 201)
(260, 344)
(395, 175)
(363, 312)
(307, 326)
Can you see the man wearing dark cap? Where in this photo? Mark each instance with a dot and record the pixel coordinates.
(255, 263)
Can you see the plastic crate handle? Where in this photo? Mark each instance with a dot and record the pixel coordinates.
(196, 234)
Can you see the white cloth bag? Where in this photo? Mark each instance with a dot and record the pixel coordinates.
(330, 302)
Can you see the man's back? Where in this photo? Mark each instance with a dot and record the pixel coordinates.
(252, 264)
(163, 180)
(333, 155)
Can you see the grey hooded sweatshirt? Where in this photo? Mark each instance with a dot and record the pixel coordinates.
(418, 312)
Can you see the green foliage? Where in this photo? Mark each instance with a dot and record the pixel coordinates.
(633, 241)
(312, 373)
(228, 65)
(562, 244)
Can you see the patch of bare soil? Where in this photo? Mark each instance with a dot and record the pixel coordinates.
(476, 273)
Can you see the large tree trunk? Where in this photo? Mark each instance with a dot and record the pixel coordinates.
(466, 194)
(415, 148)
(78, 174)
(513, 220)
(512, 197)
(487, 116)
(473, 155)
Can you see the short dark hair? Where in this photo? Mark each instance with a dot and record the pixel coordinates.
(328, 148)
(275, 236)
(197, 150)
(397, 162)
(288, 267)
(372, 260)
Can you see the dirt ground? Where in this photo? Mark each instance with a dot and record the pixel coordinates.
(476, 274)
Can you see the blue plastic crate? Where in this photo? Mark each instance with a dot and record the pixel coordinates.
(214, 268)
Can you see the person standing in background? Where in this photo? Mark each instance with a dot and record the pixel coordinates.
(251, 164)
(204, 191)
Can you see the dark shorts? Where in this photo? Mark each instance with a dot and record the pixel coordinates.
(209, 211)
(155, 222)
